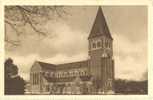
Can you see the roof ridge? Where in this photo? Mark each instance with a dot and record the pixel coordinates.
(45, 63)
(72, 62)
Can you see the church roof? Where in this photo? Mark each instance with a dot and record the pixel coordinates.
(73, 65)
(48, 66)
(99, 27)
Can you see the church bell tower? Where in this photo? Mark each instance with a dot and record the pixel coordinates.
(101, 55)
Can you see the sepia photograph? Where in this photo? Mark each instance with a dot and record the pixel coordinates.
(76, 50)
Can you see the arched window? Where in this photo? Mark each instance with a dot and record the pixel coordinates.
(85, 73)
(56, 75)
(47, 74)
(64, 74)
(47, 88)
(33, 78)
(82, 73)
(106, 44)
(94, 45)
(98, 44)
(59, 75)
(51, 74)
(102, 43)
(110, 45)
(71, 73)
(37, 75)
(76, 73)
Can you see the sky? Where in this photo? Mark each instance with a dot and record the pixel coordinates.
(67, 40)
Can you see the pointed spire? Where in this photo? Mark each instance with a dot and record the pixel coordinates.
(100, 27)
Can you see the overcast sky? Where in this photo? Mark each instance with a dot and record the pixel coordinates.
(68, 41)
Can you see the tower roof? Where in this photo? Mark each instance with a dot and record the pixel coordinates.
(100, 27)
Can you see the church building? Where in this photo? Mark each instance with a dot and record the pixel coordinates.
(94, 75)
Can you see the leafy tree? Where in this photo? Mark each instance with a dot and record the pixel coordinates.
(131, 87)
(14, 84)
(17, 17)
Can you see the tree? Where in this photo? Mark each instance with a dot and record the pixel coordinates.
(14, 84)
(131, 87)
(17, 17)
(8, 67)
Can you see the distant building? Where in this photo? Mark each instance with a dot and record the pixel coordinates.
(91, 76)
